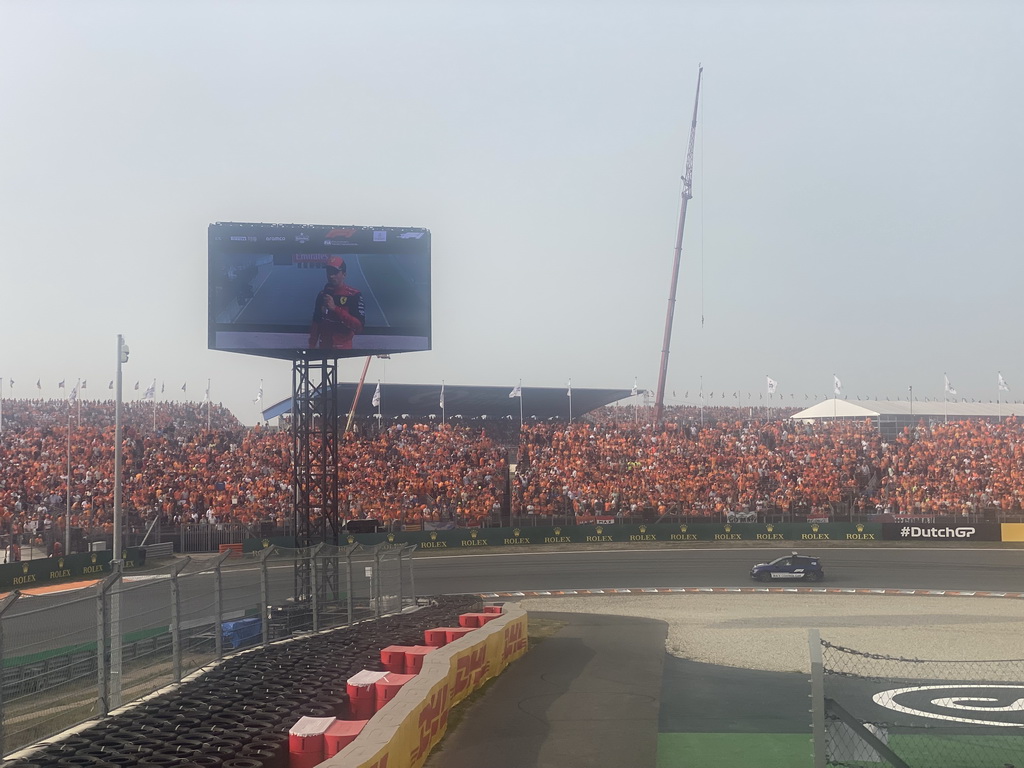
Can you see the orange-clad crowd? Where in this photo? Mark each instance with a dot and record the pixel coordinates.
(799, 468)
(186, 463)
(191, 462)
(419, 473)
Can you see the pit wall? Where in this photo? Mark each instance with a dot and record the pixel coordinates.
(402, 734)
(465, 539)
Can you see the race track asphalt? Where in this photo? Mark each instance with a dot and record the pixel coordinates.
(586, 697)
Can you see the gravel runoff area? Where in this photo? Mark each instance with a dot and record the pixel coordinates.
(769, 631)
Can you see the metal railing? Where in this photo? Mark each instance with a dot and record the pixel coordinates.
(73, 656)
(878, 710)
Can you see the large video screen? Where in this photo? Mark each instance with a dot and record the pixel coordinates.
(293, 290)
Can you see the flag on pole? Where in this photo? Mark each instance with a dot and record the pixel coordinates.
(206, 397)
(440, 403)
(74, 394)
(1003, 386)
(949, 387)
(259, 395)
(184, 386)
(136, 386)
(163, 387)
(375, 402)
(60, 384)
(837, 385)
(634, 392)
(569, 390)
(517, 391)
(772, 385)
(111, 384)
(84, 383)
(39, 383)
(150, 391)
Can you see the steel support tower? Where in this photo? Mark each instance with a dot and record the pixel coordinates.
(315, 466)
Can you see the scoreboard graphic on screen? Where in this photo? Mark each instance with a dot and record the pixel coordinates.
(318, 291)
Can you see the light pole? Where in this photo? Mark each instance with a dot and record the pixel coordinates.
(115, 561)
(122, 357)
(67, 494)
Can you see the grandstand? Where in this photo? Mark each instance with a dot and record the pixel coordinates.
(190, 469)
(893, 416)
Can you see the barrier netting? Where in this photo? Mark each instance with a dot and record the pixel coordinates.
(72, 656)
(912, 713)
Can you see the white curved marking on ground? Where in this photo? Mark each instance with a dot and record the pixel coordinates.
(885, 699)
(979, 704)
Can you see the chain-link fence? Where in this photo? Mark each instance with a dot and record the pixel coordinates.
(73, 656)
(876, 710)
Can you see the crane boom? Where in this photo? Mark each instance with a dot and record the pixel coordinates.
(659, 403)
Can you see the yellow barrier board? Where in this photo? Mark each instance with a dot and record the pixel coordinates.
(407, 732)
(1013, 531)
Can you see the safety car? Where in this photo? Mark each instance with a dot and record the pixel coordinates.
(792, 567)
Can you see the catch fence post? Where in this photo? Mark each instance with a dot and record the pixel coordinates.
(412, 574)
(817, 698)
(348, 580)
(265, 594)
(401, 604)
(375, 581)
(6, 603)
(176, 618)
(102, 641)
(314, 601)
(218, 603)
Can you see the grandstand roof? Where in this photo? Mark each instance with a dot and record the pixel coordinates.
(422, 400)
(846, 409)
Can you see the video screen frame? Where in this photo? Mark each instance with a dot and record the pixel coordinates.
(319, 291)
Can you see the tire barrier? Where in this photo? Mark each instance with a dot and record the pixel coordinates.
(238, 715)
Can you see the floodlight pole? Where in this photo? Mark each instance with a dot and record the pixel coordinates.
(659, 403)
(122, 357)
(67, 494)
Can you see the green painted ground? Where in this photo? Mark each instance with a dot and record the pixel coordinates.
(955, 750)
(734, 750)
(779, 750)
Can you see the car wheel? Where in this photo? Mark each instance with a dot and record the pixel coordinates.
(764, 576)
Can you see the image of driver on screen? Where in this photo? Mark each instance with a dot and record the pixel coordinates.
(339, 313)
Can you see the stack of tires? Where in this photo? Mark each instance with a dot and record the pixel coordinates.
(238, 714)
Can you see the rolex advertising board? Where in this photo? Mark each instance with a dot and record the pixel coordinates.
(466, 539)
(87, 565)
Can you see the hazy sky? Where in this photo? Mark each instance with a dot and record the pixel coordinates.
(858, 167)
